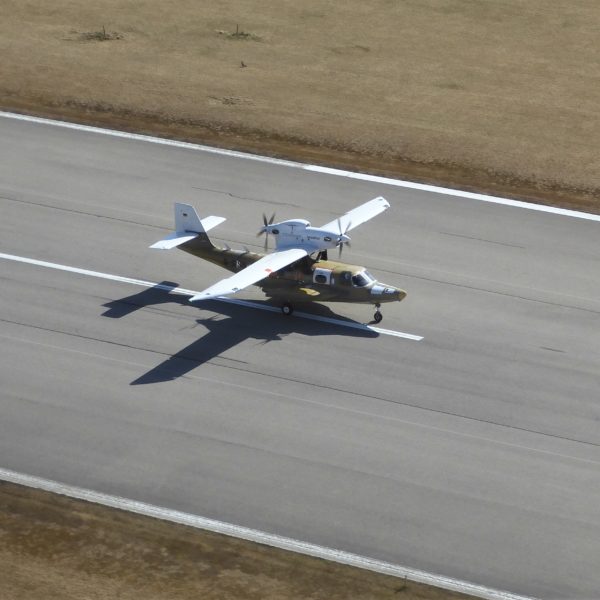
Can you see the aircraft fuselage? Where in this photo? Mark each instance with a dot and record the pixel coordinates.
(306, 280)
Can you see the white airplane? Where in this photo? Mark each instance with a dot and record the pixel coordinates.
(298, 268)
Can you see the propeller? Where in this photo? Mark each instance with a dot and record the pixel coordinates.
(341, 241)
(265, 230)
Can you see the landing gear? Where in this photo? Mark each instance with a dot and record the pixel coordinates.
(287, 309)
(377, 317)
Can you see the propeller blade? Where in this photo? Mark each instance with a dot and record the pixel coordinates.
(265, 229)
(341, 243)
(270, 221)
(266, 223)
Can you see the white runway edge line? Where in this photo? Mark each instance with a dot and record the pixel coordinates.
(184, 292)
(254, 535)
(306, 167)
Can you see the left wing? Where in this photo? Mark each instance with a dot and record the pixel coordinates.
(359, 215)
(252, 274)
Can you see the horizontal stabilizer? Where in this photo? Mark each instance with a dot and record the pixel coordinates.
(173, 240)
(211, 222)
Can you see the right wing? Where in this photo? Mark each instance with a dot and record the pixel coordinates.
(251, 274)
(359, 215)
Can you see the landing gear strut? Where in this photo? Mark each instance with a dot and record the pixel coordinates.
(287, 309)
(377, 317)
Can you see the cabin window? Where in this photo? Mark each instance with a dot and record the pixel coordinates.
(361, 279)
(322, 276)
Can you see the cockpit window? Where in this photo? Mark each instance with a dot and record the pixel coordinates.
(363, 278)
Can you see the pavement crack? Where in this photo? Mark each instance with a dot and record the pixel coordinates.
(469, 237)
(80, 212)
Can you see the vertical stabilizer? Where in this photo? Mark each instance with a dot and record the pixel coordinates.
(188, 226)
(187, 219)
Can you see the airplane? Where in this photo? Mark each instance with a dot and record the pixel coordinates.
(298, 270)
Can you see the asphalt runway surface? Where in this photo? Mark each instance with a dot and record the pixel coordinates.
(474, 453)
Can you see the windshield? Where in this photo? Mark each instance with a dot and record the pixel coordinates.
(363, 278)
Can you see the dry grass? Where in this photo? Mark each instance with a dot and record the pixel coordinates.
(55, 548)
(499, 95)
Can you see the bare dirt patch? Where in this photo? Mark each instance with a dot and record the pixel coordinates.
(495, 96)
(53, 547)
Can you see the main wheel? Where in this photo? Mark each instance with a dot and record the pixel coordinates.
(287, 309)
(377, 317)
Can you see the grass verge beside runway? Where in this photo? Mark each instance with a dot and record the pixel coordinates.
(500, 97)
(54, 547)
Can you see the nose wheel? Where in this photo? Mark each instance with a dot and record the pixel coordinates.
(287, 309)
(377, 317)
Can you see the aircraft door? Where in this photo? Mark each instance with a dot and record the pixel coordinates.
(346, 278)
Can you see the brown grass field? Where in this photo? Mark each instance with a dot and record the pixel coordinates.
(55, 548)
(500, 96)
(494, 95)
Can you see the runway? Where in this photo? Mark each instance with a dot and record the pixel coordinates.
(473, 454)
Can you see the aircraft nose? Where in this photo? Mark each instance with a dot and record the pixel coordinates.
(387, 292)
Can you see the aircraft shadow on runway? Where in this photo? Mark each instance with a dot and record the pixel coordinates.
(158, 294)
(240, 324)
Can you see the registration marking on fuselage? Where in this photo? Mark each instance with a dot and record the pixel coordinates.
(186, 292)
